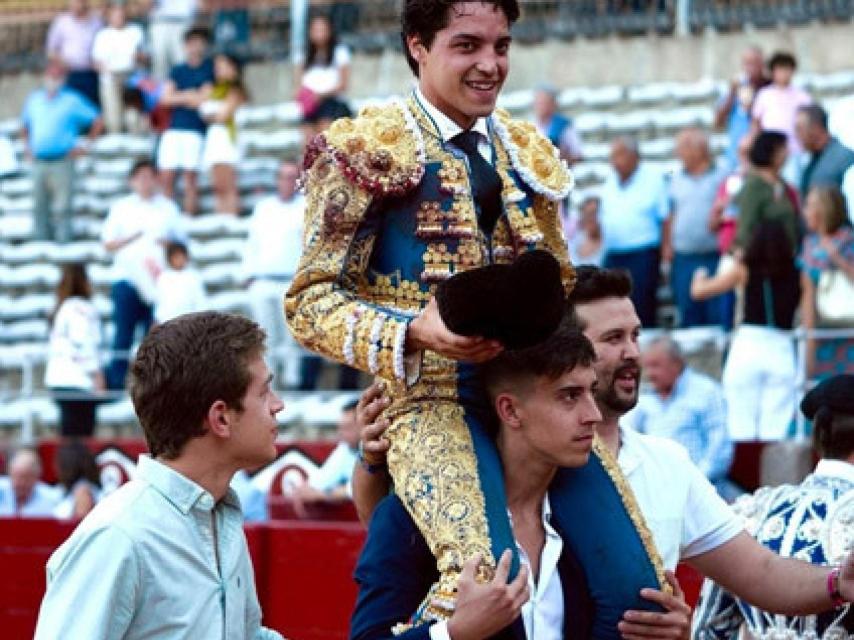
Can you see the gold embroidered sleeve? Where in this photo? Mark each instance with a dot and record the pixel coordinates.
(322, 308)
(547, 214)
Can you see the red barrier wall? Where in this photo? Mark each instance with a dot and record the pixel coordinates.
(303, 574)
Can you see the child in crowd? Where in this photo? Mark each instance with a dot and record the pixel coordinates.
(115, 52)
(777, 104)
(180, 288)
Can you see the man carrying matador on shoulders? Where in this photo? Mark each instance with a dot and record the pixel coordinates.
(400, 199)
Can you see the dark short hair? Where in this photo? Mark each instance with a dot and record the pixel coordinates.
(185, 365)
(815, 114)
(139, 165)
(833, 433)
(596, 283)
(424, 18)
(782, 59)
(563, 351)
(197, 32)
(765, 146)
(174, 247)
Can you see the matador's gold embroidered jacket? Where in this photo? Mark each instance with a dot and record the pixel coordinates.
(390, 214)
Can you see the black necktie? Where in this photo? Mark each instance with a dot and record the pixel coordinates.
(485, 181)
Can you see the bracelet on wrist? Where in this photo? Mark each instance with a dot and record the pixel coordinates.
(368, 465)
(833, 588)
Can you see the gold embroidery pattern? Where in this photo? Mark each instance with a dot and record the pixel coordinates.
(630, 502)
(442, 493)
(534, 157)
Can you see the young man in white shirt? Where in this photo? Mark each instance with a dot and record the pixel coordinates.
(115, 52)
(270, 258)
(135, 232)
(544, 399)
(165, 556)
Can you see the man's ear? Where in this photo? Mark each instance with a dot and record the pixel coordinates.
(219, 419)
(507, 408)
(416, 47)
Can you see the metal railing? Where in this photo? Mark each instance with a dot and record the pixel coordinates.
(30, 361)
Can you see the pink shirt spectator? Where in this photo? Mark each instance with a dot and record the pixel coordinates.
(775, 109)
(70, 39)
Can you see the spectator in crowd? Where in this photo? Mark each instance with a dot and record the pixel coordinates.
(776, 104)
(181, 145)
(322, 77)
(22, 493)
(810, 521)
(586, 246)
(253, 501)
(52, 119)
(69, 42)
(634, 214)
(164, 555)
(759, 373)
(135, 232)
(765, 195)
(555, 126)
(220, 154)
(829, 159)
(79, 478)
(115, 53)
(180, 288)
(723, 221)
(168, 21)
(827, 255)
(331, 483)
(693, 244)
(73, 372)
(270, 257)
(734, 109)
(724, 215)
(686, 406)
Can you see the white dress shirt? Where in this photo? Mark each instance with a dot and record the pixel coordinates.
(40, 504)
(542, 615)
(685, 514)
(157, 558)
(138, 262)
(448, 128)
(274, 244)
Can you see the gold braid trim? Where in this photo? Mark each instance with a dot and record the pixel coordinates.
(630, 503)
(534, 157)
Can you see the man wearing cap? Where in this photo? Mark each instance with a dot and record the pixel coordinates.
(811, 521)
(400, 199)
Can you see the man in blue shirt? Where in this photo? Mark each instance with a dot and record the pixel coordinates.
(634, 211)
(181, 145)
(53, 118)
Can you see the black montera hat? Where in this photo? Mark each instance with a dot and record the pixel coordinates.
(836, 393)
(519, 304)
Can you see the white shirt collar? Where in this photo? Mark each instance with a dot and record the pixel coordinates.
(835, 469)
(447, 127)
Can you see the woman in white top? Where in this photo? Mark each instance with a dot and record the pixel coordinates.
(79, 479)
(73, 370)
(322, 78)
